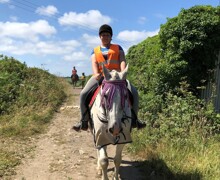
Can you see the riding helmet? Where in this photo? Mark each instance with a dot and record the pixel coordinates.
(105, 28)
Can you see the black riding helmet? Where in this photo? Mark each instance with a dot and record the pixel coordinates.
(105, 28)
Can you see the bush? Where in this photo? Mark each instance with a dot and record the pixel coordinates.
(28, 97)
(12, 73)
(190, 44)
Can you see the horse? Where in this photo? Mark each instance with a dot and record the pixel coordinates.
(74, 78)
(111, 117)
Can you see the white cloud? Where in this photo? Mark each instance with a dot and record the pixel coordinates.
(91, 41)
(4, 1)
(91, 19)
(75, 56)
(142, 20)
(26, 31)
(41, 48)
(135, 36)
(43, 28)
(47, 11)
(70, 45)
(8, 45)
(49, 48)
(26, 38)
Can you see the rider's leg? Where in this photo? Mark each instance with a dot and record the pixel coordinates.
(83, 124)
(136, 123)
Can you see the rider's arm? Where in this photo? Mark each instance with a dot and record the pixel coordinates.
(95, 68)
(122, 60)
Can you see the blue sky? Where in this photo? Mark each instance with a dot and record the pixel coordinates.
(57, 35)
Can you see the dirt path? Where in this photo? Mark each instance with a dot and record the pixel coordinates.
(63, 154)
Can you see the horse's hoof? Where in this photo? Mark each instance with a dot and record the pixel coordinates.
(99, 173)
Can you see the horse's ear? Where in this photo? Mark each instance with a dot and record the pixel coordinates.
(106, 72)
(123, 74)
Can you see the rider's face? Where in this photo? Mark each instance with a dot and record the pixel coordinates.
(105, 38)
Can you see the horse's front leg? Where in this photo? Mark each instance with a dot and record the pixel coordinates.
(99, 168)
(117, 160)
(102, 163)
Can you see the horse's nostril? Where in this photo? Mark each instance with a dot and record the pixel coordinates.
(111, 130)
(114, 131)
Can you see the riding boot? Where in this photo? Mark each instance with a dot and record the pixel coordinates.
(83, 124)
(136, 123)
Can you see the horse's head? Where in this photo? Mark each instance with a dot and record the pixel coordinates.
(114, 75)
(114, 99)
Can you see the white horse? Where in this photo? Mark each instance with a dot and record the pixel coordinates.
(111, 115)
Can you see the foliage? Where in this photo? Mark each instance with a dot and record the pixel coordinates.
(8, 161)
(28, 97)
(12, 73)
(182, 132)
(178, 158)
(191, 43)
(183, 113)
(181, 142)
(187, 46)
(162, 63)
(143, 58)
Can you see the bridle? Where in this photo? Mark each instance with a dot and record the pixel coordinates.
(107, 93)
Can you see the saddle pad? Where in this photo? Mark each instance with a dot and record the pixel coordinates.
(94, 96)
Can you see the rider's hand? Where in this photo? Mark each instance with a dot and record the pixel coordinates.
(98, 76)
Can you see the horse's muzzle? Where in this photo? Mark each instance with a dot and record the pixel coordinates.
(115, 130)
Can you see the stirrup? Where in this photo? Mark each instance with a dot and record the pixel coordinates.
(77, 127)
(82, 125)
(138, 124)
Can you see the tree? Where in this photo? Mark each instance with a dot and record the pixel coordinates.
(142, 60)
(190, 42)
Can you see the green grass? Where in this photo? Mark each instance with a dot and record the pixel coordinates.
(8, 160)
(191, 158)
(182, 139)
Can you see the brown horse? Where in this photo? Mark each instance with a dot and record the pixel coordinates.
(74, 78)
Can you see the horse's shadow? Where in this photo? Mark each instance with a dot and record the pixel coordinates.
(155, 169)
